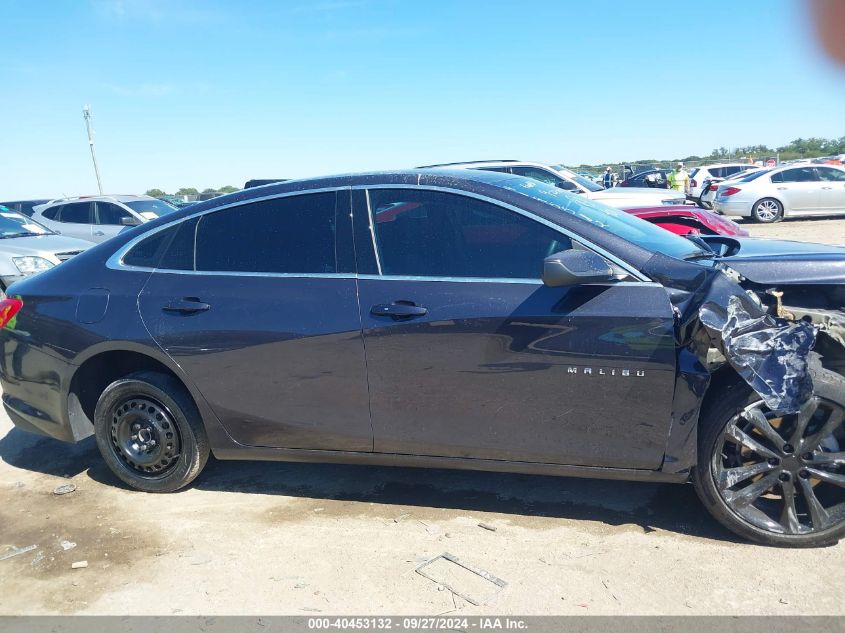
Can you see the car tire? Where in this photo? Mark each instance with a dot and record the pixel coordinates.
(767, 211)
(726, 501)
(150, 433)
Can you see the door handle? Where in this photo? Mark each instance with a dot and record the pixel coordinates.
(186, 305)
(99, 233)
(399, 310)
(827, 187)
(781, 188)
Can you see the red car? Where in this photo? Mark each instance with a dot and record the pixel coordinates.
(684, 219)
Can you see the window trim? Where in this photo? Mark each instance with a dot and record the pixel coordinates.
(115, 261)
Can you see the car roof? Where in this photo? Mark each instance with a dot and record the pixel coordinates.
(441, 176)
(103, 198)
(476, 163)
(725, 165)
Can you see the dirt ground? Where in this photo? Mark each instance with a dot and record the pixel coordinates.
(822, 230)
(276, 538)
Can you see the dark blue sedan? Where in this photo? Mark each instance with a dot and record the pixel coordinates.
(459, 319)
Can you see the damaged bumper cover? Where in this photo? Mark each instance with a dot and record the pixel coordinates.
(715, 312)
(769, 353)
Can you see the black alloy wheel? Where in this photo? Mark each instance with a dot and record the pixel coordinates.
(784, 474)
(777, 479)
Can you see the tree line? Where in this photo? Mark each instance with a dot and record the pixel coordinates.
(190, 191)
(814, 147)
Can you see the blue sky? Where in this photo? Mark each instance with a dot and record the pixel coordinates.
(210, 92)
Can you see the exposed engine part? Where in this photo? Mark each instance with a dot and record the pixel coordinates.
(831, 322)
(779, 310)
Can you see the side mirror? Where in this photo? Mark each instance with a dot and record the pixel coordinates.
(574, 267)
(129, 221)
(566, 185)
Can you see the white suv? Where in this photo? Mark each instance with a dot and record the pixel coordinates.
(97, 218)
(700, 174)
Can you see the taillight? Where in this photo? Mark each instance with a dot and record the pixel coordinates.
(730, 191)
(714, 186)
(693, 183)
(8, 309)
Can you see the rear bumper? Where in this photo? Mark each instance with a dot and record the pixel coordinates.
(35, 386)
(738, 208)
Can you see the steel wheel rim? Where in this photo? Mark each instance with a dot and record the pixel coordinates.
(767, 210)
(145, 437)
(784, 474)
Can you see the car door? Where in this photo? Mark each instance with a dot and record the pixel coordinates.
(799, 189)
(109, 220)
(470, 355)
(262, 314)
(832, 194)
(74, 220)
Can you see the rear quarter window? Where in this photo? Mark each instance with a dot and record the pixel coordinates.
(52, 212)
(169, 249)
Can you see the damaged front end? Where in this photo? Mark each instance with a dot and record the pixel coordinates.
(723, 319)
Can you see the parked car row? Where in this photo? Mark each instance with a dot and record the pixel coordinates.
(699, 175)
(28, 248)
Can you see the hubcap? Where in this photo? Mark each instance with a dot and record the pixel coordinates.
(767, 210)
(144, 436)
(784, 474)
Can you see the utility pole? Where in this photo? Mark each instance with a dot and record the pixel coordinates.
(86, 114)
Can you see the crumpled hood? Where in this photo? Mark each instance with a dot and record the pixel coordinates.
(784, 262)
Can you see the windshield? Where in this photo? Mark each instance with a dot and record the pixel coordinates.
(157, 208)
(16, 225)
(586, 183)
(642, 233)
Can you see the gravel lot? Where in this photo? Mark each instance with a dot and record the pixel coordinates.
(278, 538)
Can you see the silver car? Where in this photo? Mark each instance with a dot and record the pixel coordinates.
(786, 191)
(27, 248)
(97, 218)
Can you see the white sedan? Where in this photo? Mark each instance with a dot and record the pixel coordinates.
(770, 195)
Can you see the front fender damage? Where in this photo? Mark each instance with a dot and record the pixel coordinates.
(768, 352)
(719, 322)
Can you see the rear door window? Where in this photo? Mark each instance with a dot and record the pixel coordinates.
(799, 174)
(294, 234)
(828, 174)
(76, 213)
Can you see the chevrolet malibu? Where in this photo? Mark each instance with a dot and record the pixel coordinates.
(459, 319)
